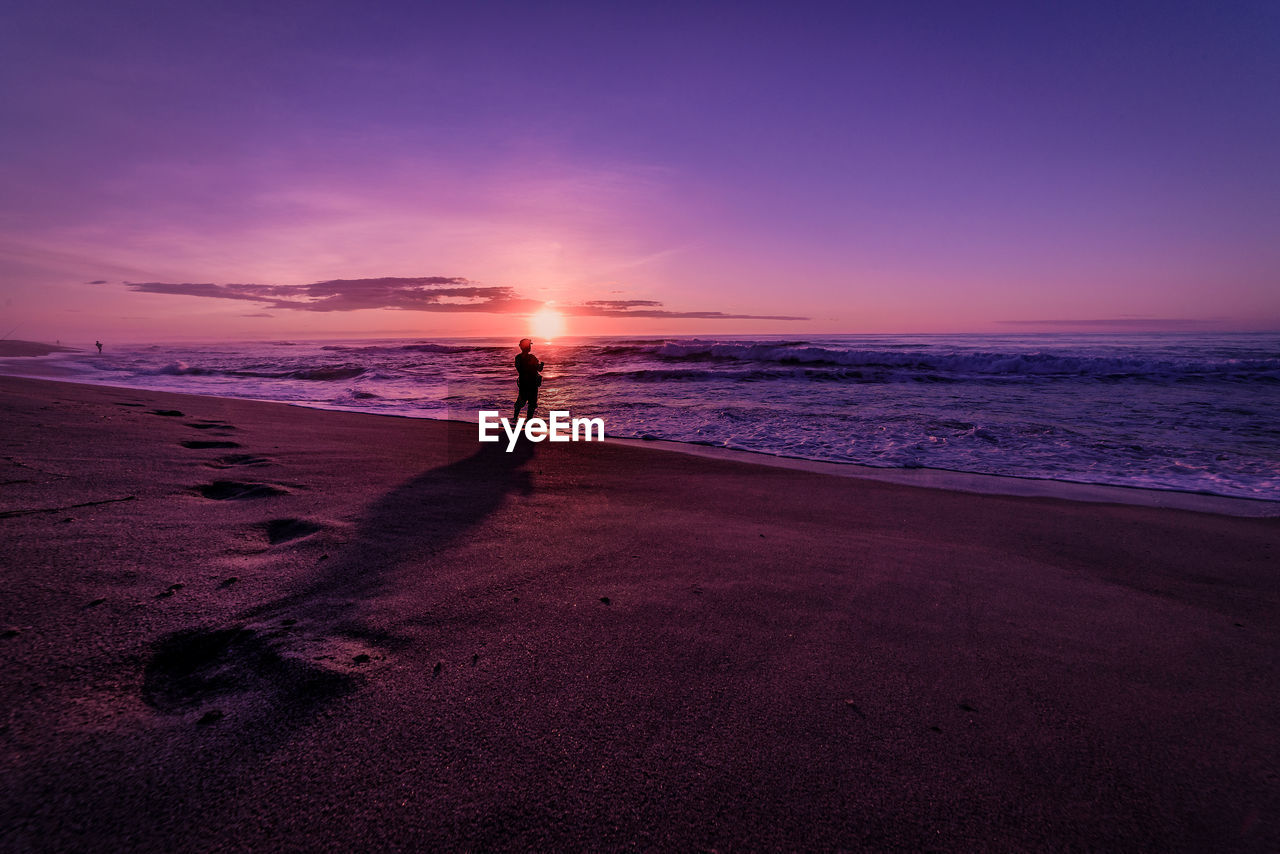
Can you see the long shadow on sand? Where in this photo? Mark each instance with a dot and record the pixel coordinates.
(410, 524)
(288, 656)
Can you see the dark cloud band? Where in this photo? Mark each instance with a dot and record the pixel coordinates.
(424, 293)
(1154, 323)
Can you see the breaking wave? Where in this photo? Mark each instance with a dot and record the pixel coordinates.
(324, 373)
(976, 363)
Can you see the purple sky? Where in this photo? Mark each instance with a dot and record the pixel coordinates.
(272, 169)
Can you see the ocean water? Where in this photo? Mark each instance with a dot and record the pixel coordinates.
(1192, 412)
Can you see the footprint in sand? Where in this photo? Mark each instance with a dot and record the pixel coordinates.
(170, 413)
(230, 490)
(210, 717)
(208, 425)
(193, 666)
(199, 445)
(287, 530)
(234, 460)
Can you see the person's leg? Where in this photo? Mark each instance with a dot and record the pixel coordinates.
(519, 403)
(533, 401)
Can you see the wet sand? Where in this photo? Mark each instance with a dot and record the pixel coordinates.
(242, 625)
(10, 347)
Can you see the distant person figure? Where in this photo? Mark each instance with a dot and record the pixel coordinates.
(99, 344)
(530, 377)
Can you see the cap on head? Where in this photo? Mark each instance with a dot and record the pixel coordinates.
(526, 344)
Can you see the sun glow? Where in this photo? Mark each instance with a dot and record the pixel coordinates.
(547, 324)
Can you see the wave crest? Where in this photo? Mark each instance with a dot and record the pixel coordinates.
(324, 373)
(977, 363)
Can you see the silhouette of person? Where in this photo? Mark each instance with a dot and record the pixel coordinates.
(99, 343)
(530, 378)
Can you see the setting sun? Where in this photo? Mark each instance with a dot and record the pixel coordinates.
(547, 323)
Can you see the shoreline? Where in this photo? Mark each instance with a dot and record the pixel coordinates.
(978, 483)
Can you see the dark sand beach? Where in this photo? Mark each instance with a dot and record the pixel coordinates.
(26, 349)
(236, 625)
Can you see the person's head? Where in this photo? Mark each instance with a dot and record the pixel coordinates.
(526, 344)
